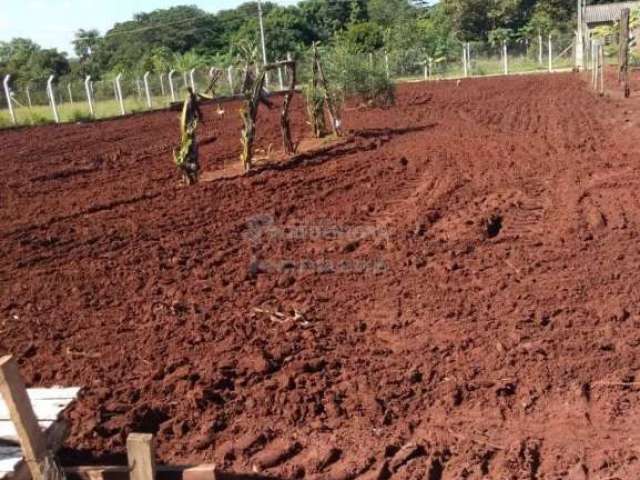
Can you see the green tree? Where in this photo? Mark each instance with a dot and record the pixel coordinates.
(499, 35)
(25, 60)
(87, 46)
(365, 37)
(388, 13)
(162, 59)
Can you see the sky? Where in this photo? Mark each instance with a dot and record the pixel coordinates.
(52, 23)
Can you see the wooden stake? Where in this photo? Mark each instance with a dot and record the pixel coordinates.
(249, 114)
(335, 121)
(601, 65)
(141, 456)
(15, 396)
(284, 116)
(624, 50)
(316, 103)
(594, 65)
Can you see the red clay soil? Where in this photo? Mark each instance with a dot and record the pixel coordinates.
(452, 293)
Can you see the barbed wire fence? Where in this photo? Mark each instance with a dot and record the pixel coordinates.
(72, 99)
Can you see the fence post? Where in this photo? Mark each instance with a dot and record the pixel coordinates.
(594, 65)
(115, 90)
(171, 89)
(464, 60)
(27, 90)
(280, 79)
(539, 47)
(141, 456)
(147, 93)
(550, 54)
(70, 94)
(161, 76)
(386, 64)
(193, 83)
(430, 67)
(119, 89)
(624, 50)
(505, 58)
(87, 89)
(7, 92)
(230, 78)
(601, 63)
(52, 98)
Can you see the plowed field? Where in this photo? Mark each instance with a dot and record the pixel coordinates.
(451, 292)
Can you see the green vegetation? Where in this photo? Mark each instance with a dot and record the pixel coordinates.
(185, 37)
(41, 114)
(364, 44)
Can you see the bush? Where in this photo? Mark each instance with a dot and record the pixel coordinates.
(79, 116)
(5, 123)
(39, 119)
(360, 76)
(377, 90)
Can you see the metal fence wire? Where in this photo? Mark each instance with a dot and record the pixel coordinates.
(73, 99)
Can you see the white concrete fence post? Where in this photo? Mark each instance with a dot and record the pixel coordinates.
(162, 91)
(115, 90)
(465, 68)
(7, 92)
(70, 93)
(119, 89)
(230, 78)
(469, 69)
(539, 48)
(505, 58)
(280, 78)
(171, 88)
(550, 54)
(28, 92)
(87, 89)
(386, 64)
(146, 88)
(192, 80)
(52, 98)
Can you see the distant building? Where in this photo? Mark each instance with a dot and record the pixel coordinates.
(605, 13)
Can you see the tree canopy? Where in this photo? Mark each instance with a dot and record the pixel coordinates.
(184, 36)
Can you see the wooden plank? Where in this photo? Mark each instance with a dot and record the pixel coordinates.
(45, 409)
(8, 431)
(10, 456)
(164, 472)
(14, 393)
(141, 456)
(56, 436)
(206, 471)
(53, 393)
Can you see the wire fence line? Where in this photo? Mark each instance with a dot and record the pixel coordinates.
(82, 99)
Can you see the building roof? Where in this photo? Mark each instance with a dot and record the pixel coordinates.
(606, 12)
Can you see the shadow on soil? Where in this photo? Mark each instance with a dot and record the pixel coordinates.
(356, 142)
